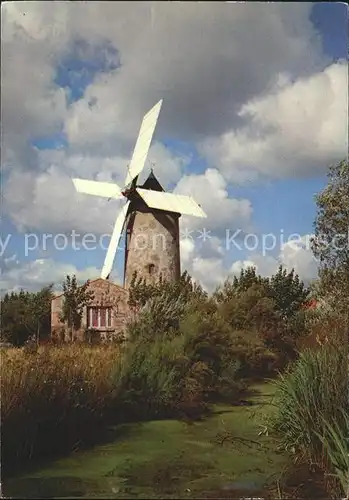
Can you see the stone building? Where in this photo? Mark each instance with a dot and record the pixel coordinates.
(152, 249)
(106, 314)
(152, 239)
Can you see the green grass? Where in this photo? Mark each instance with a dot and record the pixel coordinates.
(169, 458)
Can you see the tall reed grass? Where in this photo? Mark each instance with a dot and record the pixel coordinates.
(312, 401)
(52, 398)
(58, 396)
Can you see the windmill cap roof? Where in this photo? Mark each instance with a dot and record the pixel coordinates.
(152, 183)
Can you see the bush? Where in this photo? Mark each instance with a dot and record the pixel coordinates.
(159, 316)
(209, 341)
(150, 377)
(323, 325)
(257, 315)
(254, 358)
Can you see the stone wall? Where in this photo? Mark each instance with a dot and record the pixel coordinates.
(106, 294)
(152, 246)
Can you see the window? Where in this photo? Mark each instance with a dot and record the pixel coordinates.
(151, 268)
(99, 317)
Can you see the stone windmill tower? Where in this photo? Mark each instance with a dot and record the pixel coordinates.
(152, 239)
(150, 215)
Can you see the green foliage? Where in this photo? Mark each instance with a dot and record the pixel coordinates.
(288, 291)
(238, 284)
(254, 358)
(182, 346)
(76, 297)
(330, 244)
(336, 444)
(150, 376)
(140, 291)
(311, 396)
(285, 288)
(159, 316)
(209, 342)
(250, 309)
(25, 314)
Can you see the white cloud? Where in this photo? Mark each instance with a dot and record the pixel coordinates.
(244, 82)
(203, 261)
(48, 201)
(298, 128)
(201, 59)
(210, 190)
(210, 270)
(296, 254)
(31, 104)
(206, 60)
(33, 275)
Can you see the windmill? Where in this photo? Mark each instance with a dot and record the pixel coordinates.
(146, 207)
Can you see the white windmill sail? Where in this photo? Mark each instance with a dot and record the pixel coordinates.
(154, 199)
(97, 188)
(171, 202)
(142, 146)
(114, 241)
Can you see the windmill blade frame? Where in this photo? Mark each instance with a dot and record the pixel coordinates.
(171, 202)
(114, 241)
(97, 188)
(143, 142)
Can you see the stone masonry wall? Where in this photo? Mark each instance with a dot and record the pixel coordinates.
(106, 294)
(152, 246)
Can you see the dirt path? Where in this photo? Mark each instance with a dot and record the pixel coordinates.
(223, 453)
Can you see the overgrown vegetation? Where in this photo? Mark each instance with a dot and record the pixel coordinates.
(25, 315)
(312, 397)
(186, 350)
(330, 244)
(51, 398)
(76, 298)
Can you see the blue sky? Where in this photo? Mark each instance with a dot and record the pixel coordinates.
(287, 203)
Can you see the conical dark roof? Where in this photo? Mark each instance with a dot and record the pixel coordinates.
(152, 183)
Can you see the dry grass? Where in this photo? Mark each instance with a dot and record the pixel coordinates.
(324, 326)
(56, 393)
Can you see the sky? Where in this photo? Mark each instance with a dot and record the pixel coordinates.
(255, 99)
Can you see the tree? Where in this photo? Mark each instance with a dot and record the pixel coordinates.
(25, 314)
(239, 284)
(285, 288)
(40, 308)
(75, 299)
(331, 243)
(288, 291)
(140, 291)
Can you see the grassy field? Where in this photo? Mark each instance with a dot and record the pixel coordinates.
(223, 452)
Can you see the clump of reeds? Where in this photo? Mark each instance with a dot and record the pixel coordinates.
(51, 397)
(312, 402)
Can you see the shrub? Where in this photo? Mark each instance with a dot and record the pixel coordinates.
(255, 359)
(158, 316)
(253, 312)
(140, 291)
(323, 325)
(149, 377)
(208, 340)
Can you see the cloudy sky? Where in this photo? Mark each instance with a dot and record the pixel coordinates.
(254, 111)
